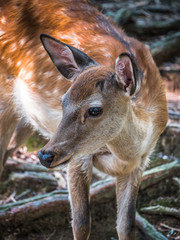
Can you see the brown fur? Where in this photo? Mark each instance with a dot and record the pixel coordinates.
(87, 83)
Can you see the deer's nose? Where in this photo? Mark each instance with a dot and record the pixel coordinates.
(46, 157)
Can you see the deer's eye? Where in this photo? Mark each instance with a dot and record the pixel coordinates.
(95, 111)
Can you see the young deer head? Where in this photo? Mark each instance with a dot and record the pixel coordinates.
(94, 108)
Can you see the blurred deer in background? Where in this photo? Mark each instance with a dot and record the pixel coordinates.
(106, 107)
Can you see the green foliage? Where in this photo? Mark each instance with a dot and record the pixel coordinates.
(35, 142)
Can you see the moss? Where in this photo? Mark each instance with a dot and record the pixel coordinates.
(35, 142)
(166, 201)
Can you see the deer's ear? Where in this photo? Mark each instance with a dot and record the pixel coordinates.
(69, 60)
(127, 74)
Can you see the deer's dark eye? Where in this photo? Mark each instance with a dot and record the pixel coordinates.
(95, 111)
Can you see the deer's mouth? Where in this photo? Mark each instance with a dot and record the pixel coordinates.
(58, 164)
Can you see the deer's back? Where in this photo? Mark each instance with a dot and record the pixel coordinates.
(28, 74)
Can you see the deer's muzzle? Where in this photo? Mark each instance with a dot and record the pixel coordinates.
(51, 160)
(46, 158)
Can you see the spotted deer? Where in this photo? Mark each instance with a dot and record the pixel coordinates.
(98, 97)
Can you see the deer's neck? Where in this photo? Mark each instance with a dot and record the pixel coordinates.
(135, 140)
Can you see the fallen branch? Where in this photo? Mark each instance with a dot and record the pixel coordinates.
(171, 68)
(164, 49)
(173, 115)
(10, 206)
(104, 189)
(11, 198)
(157, 160)
(30, 180)
(168, 201)
(148, 230)
(30, 211)
(120, 5)
(27, 212)
(125, 15)
(176, 181)
(49, 212)
(161, 210)
(169, 140)
(155, 175)
(169, 228)
(153, 28)
(160, 8)
(22, 194)
(18, 166)
(35, 207)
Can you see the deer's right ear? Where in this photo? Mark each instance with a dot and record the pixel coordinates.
(69, 61)
(128, 74)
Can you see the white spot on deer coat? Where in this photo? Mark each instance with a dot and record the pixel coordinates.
(13, 47)
(3, 20)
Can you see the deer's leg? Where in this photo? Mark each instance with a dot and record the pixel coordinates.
(79, 177)
(127, 189)
(8, 122)
(22, 132)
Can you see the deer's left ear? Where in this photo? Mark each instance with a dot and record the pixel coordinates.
(69, 60)
(127, 74)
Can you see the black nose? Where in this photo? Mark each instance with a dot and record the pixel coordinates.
(46, 157)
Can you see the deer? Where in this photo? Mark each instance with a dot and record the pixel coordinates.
(71, 74)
